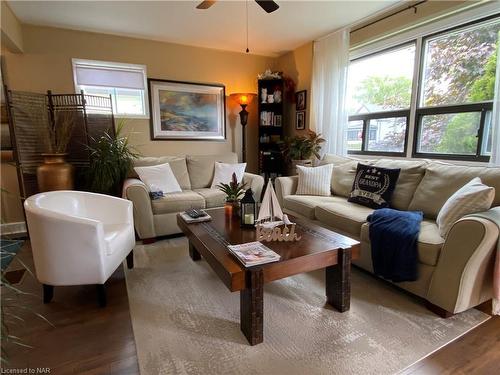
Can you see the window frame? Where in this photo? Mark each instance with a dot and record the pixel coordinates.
(117, 65)
(415, 113)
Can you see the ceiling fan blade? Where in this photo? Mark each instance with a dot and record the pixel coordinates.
(205, 4)
(268, 5)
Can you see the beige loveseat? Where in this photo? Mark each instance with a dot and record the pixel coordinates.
(194, 173)
(455, 273)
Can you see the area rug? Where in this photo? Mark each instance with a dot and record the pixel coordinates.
(186, 321)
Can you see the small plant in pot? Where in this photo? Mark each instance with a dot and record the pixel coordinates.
(111, 159)
(300, 150)
(55, 173)
(233, 190)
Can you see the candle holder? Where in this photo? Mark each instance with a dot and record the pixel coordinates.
(248, 208)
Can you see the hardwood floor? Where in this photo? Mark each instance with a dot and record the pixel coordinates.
(89, 340)
(85, 339)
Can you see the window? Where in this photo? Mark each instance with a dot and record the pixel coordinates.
(379, 96)
(125, 83)
(455, 99)
(449, 107)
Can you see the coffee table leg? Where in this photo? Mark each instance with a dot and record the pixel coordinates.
(193, 253)
(252, 307)
(338, 281)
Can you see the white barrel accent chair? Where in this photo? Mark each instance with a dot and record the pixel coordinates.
(79, 238)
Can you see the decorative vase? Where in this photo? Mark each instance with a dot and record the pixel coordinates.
(55, 173)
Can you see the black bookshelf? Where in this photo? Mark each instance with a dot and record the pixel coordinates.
(271, 126)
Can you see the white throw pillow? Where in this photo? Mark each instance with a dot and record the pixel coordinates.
(471, 198)
(224, 173)
(159, 178)
(314, 180)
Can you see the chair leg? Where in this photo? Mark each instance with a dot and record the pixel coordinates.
(101, 295)
(48, 293)
(130, 260)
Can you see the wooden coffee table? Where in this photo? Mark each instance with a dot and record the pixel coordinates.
(318, 248)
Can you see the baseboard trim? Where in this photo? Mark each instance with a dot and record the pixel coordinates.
(13, 228)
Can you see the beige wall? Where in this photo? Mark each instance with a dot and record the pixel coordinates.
(46, 64)
(297, 65)
(11, 32)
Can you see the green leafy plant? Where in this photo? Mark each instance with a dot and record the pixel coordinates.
(304, 147)
(233, 189)
(13, 306)
(111, 160)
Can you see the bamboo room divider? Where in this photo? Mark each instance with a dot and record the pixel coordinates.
(31, 113)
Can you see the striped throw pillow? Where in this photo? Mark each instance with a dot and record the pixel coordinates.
(314, 180)
(471, 198)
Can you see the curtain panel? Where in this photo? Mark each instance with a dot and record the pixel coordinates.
(329, 115)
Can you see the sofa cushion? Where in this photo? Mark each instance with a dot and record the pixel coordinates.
(314, 180)
(305, 204)
(373, 186)
(442, 180)
(429, 241)
(177, 202)
(343, 215)
(201, 168)
(410, 176)
(213, 197)
(177, 164)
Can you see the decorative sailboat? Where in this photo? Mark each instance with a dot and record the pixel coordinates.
(270, 213)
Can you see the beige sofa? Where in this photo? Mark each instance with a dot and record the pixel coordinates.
(154, 218)
(455, 273)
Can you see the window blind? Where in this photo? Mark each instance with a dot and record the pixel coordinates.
(109, 77)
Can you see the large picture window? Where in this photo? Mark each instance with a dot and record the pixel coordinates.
(449, 105)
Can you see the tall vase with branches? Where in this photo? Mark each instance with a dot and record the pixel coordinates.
(55, 173)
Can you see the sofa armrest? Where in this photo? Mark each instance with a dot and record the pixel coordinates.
(464, 274)
(136, 191)
(285, 186)
(255, 182)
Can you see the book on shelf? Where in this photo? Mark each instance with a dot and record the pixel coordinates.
(188, 219)
(253, 253)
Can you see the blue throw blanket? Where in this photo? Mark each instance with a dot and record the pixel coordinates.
(393, 237)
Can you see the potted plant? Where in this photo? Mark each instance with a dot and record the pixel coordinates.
(111, 160)
(55, 173)
(301, 149)
(233, 191)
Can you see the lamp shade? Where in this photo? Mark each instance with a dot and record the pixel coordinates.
(243, 98)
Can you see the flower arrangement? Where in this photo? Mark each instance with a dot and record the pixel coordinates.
(233, 189)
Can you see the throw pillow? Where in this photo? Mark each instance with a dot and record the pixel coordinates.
(159, 178)
(224, 173)
(314, 180)
(373, 186)
(471, 198)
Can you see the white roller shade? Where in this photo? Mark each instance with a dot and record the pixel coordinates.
(107, 76)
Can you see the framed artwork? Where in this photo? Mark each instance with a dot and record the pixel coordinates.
(300, 120)
(187, 111)
(300, 100)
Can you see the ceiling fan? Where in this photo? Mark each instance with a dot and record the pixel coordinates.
(268, 5)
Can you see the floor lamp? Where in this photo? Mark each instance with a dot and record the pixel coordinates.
(243, 100)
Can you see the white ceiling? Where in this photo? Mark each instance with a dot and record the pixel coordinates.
(221, 27)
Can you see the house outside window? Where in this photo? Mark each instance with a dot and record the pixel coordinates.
(125, 83)
(436, 90)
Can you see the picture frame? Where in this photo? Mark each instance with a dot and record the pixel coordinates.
(186, 110)
(301, 100)
(278, 120)
(300, 120)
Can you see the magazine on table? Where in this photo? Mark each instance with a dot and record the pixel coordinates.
(253, 253)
